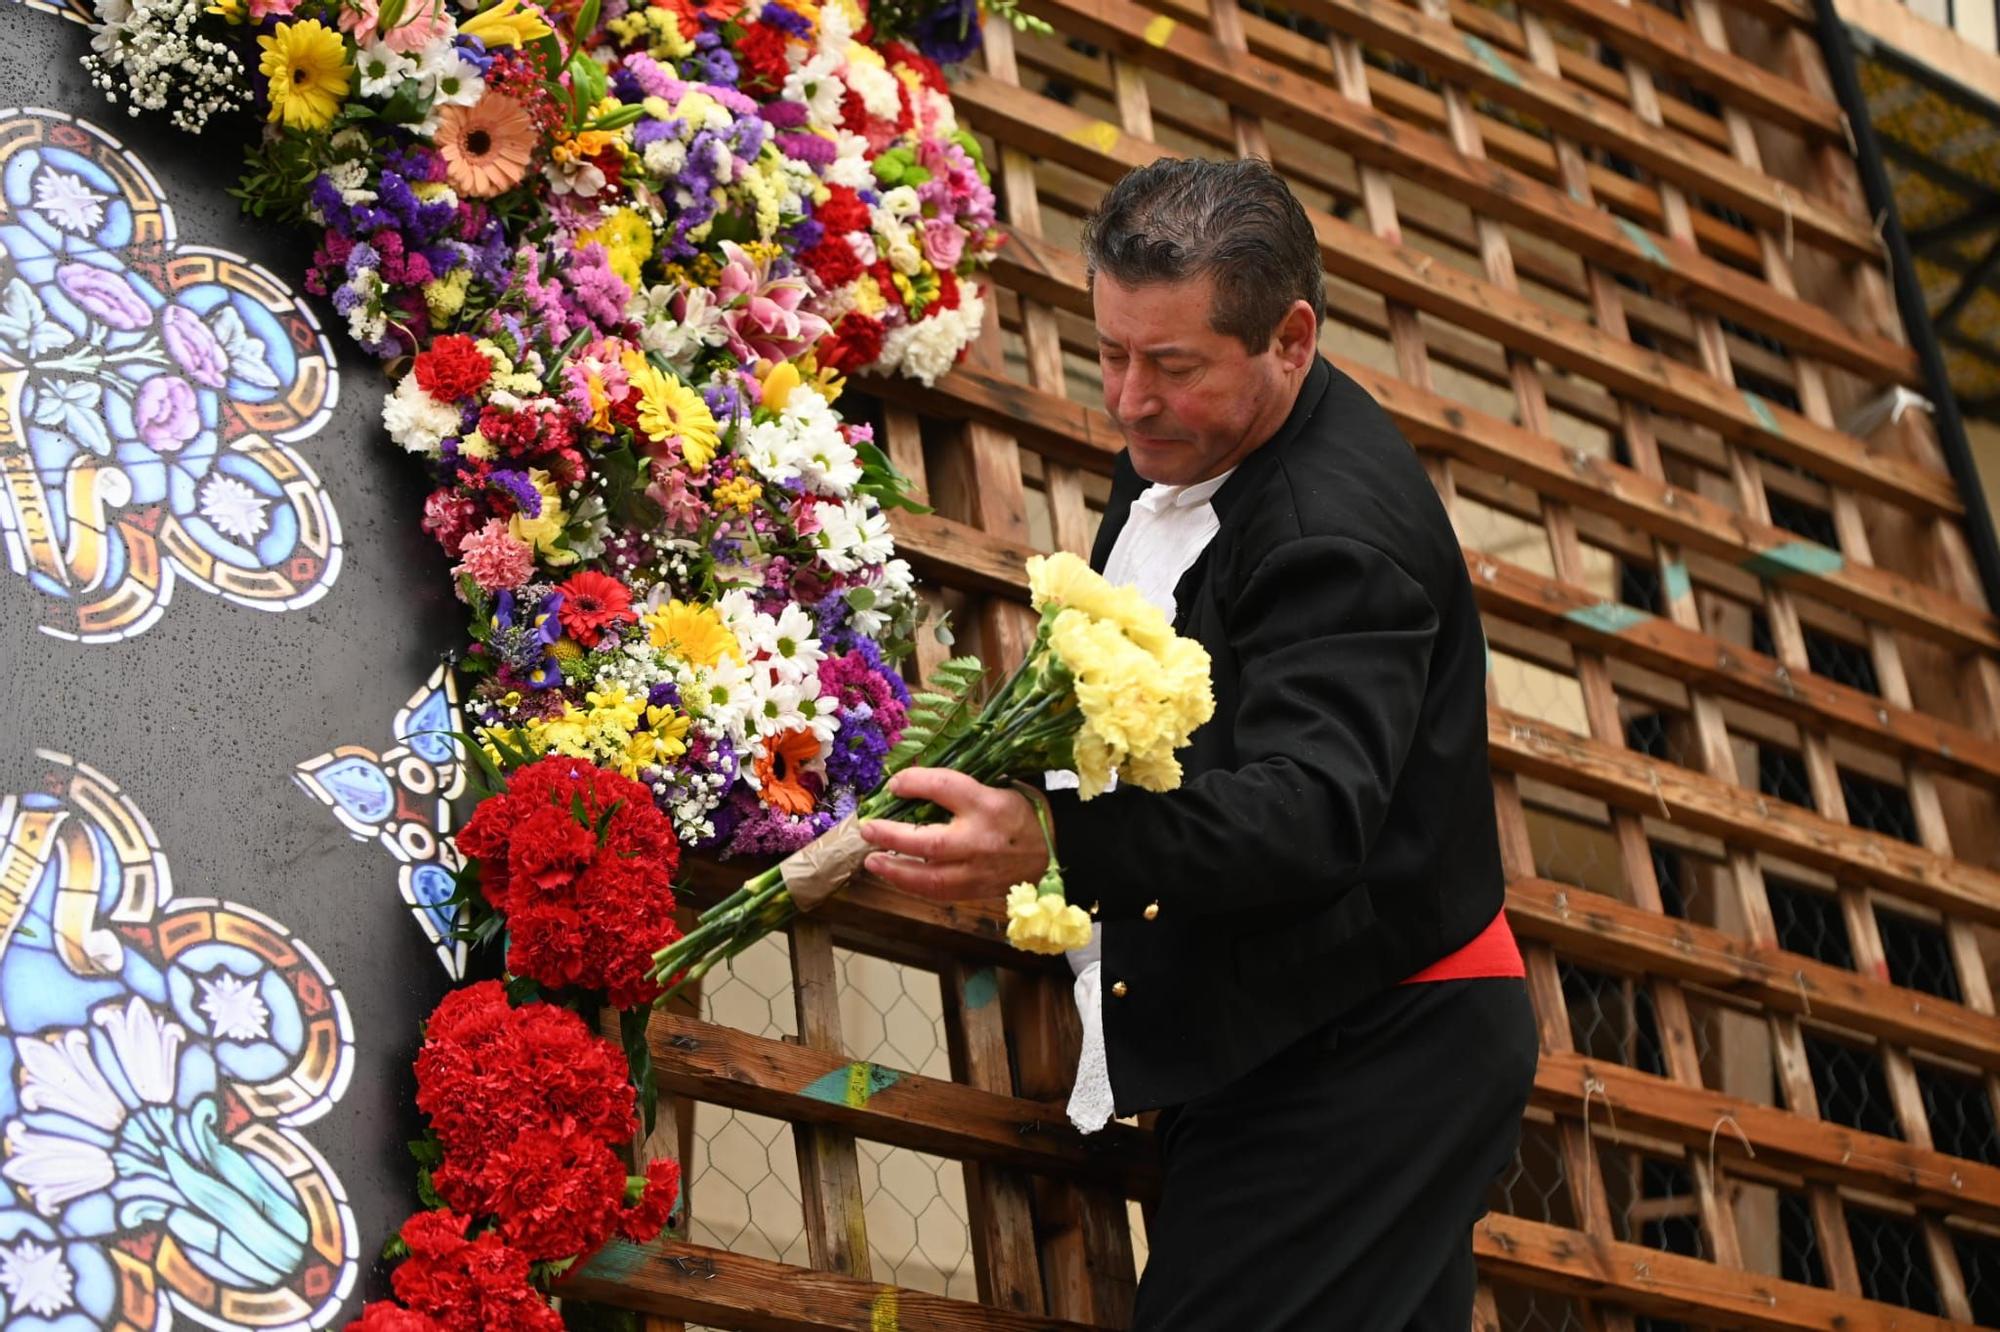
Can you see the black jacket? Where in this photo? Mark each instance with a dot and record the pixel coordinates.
(1335, 831)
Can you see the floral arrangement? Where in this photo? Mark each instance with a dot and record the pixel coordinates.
(1106, 688)
(618, 258)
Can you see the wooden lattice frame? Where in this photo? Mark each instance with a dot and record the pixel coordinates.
(1536, 241)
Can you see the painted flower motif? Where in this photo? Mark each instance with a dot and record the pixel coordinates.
(36, 1278)
(59, 1074)
(166, 413)
(54, 1171)
(145, 1047)
(65, 200)
(234, 508)
(234, 1008)
(194, 347)
(105, 297)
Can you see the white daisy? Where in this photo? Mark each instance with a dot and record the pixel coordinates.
(383, 69)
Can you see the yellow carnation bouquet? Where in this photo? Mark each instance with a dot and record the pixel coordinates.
(1107, 689)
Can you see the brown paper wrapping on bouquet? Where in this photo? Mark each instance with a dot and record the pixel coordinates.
(822, 867)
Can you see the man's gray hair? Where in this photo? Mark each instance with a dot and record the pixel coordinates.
(1235, 221)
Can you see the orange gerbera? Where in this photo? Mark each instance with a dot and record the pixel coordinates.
(487, 145)
(781, 768)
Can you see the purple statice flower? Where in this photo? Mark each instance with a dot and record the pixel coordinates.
(718, 68)
(783, 115)
(809, 148)
(647, 132)
(651, 77)
(803, 236)
(475, 53)
(859, 750)
(600, 294)
(665, 694)
(769, 832)
(787, 21)
(519, 488)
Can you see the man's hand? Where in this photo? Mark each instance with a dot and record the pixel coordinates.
(992, 842)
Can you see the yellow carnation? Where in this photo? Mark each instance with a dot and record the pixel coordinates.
(1039, 922)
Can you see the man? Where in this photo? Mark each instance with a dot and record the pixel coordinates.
(1304, 960)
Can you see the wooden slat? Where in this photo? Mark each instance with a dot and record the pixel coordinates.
(1569, 110)
(1531, 748)
(1816, 1149)
(1612, 935)
(772, 1077)
(745, 1294)
(829, 1169)
(1653, 38)
(1350, 252)
(1671, 1286)
(1100, 149)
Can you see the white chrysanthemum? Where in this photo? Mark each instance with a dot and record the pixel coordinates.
(665, 158)
(416, 420)
(451, 79)
(852, 536)
(850, 167)
(925, 351)
(876, 87)
(892, 590)
(724, 694)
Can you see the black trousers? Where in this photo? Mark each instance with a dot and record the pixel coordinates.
(1336, 1186)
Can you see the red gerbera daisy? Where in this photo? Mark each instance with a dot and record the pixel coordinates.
(592, 603)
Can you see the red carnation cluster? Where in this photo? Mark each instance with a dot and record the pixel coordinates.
(452, 368)
(581, 862)
(856, 341)
(452, 1284)
(530, 1107)
(761, 57)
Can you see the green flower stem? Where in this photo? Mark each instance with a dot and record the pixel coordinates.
(1017, 729)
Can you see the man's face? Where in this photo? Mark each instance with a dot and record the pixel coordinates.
(1191, 402)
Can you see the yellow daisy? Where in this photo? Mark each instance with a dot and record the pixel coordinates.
(695, 634)
(668, 407)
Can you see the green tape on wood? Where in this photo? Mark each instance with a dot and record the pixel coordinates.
(616, 1261)
(1642, 241)
(1795, 557)
(982, 987)
(1607, 617)
(1676, 582)
(1496, 63)
(1765, 416)
(851, 1086)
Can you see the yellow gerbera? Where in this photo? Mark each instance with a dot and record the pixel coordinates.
(695, 634)
(668, 407)
(306, 63)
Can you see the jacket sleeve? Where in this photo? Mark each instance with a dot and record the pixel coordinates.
(1333, 640)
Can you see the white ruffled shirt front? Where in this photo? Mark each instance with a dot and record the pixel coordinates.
(1166, 532)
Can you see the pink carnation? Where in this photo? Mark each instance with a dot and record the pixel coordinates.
(495, 557)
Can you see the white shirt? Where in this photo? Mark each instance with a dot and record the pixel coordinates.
(1165, 533)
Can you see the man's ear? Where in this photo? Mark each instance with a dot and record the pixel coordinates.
(1297, 338)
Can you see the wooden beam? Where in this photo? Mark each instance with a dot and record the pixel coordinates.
(1655, 38)
(1668, 1285)
(1532, 748)
(1605, 932)
(786, 1081)
(1058, 132)
(719, 1288)
(1348, 251)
